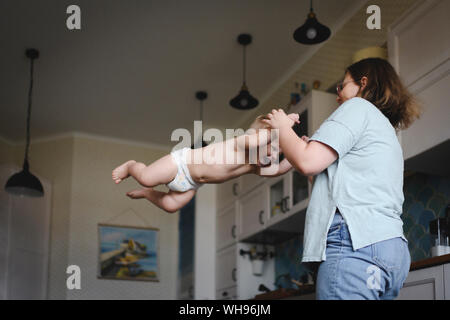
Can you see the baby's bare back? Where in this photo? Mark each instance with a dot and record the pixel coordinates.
(218, 162)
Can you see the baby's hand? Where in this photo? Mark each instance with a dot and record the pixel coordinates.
(305, 138)
(295, 117)
(278, 119)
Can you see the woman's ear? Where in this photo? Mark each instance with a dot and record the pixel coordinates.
(363, 82)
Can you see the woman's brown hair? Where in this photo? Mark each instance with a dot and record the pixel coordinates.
(385, 90)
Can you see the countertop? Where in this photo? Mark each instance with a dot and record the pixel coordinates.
(286, 293)
(430, 262)
(309, 289)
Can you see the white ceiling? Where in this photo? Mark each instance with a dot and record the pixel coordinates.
(133, 69)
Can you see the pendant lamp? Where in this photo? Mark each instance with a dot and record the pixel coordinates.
(201, 95)
(24, 183)
(312, 32)
(244, 100)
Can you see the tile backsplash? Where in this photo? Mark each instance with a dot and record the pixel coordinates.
(426, 198)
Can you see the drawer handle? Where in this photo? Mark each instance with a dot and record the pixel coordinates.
(284, 205)
(233, 232)
(260, 217)
(233, 274)
(234, 189)
(224, 294)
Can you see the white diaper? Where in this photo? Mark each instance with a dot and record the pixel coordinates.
(183, 180)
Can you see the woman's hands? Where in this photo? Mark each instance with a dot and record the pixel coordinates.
(278, 119)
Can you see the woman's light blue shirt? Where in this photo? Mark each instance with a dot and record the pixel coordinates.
(365, 183)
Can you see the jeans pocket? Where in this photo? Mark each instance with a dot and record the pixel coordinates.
(389, 254)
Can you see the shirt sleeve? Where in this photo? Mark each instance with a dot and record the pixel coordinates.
(344, 127)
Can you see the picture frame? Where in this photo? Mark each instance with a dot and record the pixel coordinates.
(128, 253)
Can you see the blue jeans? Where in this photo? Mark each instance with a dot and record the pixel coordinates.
(374, 272)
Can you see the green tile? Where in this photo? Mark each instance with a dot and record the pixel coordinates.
(436, 203)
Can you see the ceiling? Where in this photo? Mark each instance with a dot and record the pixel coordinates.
(133, 69)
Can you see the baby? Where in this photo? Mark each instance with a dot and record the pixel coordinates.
(183, 176)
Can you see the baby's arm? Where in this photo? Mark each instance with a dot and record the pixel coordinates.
(251, 139)
(283, 167)
(262, 136)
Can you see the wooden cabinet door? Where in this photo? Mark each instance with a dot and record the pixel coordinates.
(250, 181)
(226, 227)
(227, 192)
(447, 281)
(424, 70)
(252, 212)
(226, 272)
(424, 284)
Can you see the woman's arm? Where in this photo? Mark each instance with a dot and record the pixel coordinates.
(309, 158)
(256, 137)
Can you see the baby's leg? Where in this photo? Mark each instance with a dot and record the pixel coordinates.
(161, 171)
(171, 201)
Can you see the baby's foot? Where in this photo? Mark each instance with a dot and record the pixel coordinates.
(138, 193)
(121, 172)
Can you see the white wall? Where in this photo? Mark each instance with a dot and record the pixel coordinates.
(205, 243)
(84, 195)
(51, 160)
(96, 199)
(24, 240)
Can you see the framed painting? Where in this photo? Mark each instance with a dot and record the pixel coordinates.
(128, 253)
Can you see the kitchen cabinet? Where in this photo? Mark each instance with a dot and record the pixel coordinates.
(300, 190)
(226, 271)
(424, 70)
(252, 212)
(227, 192)
(313, 109)
(278, 195)
(249, 182)
(447, 281)
(424, 284)
(226, 226)
(287, 196)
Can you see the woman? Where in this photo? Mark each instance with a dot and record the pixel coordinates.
(353, 225)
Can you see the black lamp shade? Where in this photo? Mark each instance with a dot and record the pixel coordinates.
(312, 32)
(24, 183)
(244, 101)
